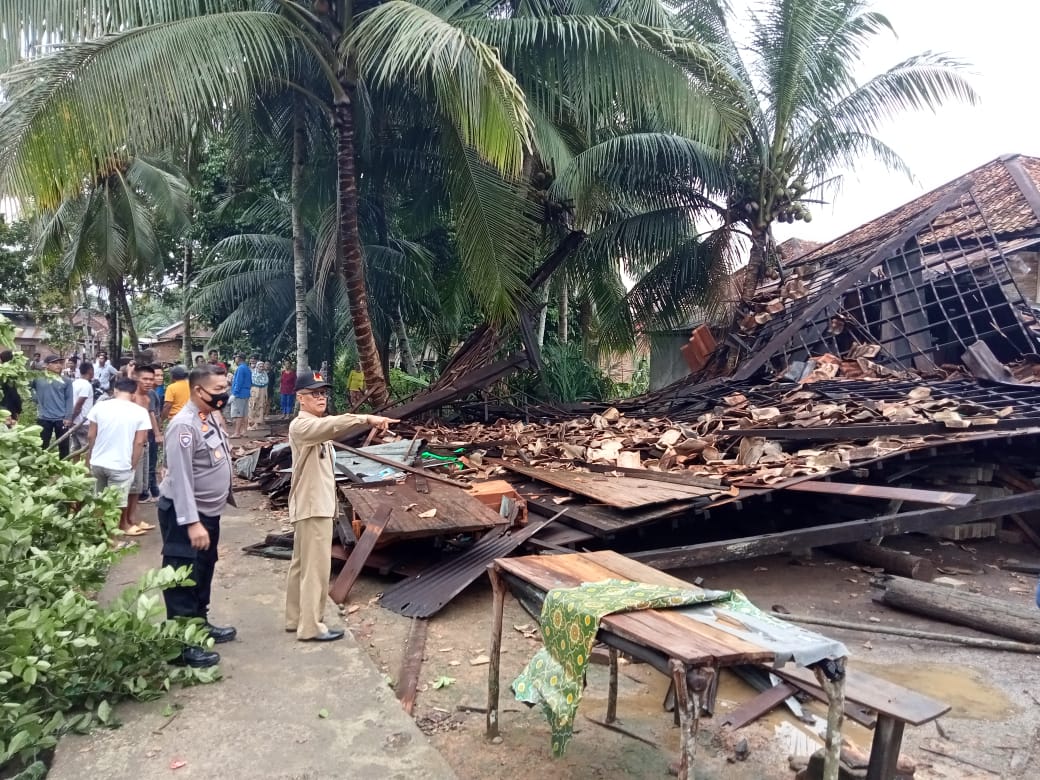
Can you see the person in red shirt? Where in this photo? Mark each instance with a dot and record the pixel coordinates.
(214, 360)
(287, 388)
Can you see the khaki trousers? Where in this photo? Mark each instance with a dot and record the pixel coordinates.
(309, 574)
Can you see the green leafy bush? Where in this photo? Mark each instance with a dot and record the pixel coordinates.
(569, 376)
(64, 658)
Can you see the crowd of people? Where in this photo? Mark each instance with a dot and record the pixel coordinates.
(86, 382)
(118, 417)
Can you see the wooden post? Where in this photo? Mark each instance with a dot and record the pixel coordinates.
(710, 696)
(498, 590)
(884, 751)
(612, 693)
(690, 687)
(835, 690)
(688, 717)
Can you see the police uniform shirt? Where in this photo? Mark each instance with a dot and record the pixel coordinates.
(198, 462)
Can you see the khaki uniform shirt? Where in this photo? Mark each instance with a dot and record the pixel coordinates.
(312, 492)
(198, 462)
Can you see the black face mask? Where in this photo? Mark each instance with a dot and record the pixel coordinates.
(217, 400)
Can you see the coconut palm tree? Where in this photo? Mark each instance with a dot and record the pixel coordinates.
(804, 115)
(440, 59)
(111, 233)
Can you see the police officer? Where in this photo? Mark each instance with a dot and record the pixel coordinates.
(194, 493)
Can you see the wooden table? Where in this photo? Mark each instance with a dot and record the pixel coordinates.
(687, 651)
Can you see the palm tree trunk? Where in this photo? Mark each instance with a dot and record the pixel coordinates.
(565, 294)
(756, 267)
(543, 310)
(352, 265)
(404, 345)
(299, 250)
(186, 303)
(115, 330)
(124, 304)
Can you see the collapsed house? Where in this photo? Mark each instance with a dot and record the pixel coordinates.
(883, 383)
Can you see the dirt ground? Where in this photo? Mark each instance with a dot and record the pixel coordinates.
(992, 731)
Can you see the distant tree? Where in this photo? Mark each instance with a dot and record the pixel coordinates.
(21, 281)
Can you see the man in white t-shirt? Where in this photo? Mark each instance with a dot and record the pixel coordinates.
(115, 443)
(82, 402)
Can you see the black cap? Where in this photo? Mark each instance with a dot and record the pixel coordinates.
(310, 380)
(54, 359)
(178, 372)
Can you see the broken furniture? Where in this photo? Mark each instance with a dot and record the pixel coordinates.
(895, 706)
(689, 651)
(400, 511)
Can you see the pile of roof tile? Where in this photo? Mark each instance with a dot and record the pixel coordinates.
(721, 443)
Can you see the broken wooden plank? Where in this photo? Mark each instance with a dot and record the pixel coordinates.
(352, 568)
(913, 495)
(962, 608)
(428, 592)
(456, 511)
(602, 522)
(463, 385)
(833, 533)
(874, 693)
(1025, 567)
(408, 678)
(676, 478)
(1026, 529)
(619, 492)
(757, 707)
(865, 431)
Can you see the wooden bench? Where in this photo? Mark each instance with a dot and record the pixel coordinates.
(895, 706)
(689, 652)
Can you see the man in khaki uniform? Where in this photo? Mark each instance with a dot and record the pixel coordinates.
(312, 506)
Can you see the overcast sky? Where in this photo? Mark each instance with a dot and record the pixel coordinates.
(998, 38)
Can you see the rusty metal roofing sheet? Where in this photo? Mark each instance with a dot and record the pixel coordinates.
(426, 593)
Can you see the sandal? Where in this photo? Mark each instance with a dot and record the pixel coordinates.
(145, 526)
(134, 530)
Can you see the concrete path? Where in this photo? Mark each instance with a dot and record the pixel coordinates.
(261, 720)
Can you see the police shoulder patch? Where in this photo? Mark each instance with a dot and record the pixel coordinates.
(185, 439)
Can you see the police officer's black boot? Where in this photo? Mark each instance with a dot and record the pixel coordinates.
(196, 657)
(221, 633)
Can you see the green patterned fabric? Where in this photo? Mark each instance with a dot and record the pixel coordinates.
(569, 621)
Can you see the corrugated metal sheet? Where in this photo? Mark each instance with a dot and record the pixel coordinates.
(425, 594)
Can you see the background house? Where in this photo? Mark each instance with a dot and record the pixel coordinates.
(167, 344)
(89, 329)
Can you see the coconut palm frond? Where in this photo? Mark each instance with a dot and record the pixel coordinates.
(400, 45)
(202, 66)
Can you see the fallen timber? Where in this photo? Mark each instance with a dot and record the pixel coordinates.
(983, 643)
(962, 608)
(833, 533)
(893, 561)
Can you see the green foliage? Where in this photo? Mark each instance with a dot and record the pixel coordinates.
(64, 658)
(570, 376)
(14, 371)
(403, 385)
(20, 283)
(638, 383)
